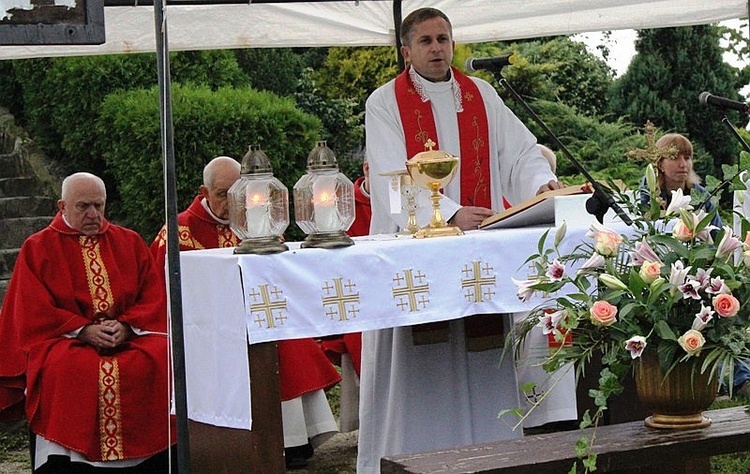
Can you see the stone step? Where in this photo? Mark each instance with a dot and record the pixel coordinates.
(14, 231)
(7, 261)
(3, 289)
(27, 206)
(14, 166)
(10, 187)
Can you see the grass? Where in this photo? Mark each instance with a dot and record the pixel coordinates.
(14, 445)
(735, 463)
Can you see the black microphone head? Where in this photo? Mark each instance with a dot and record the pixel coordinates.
(469, 65)
(489, 64)
(703, 98)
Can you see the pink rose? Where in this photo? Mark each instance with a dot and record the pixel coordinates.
(606, 242)
(603, 313)
(692, 341)
(682, 232)
(726, 305)
(650, 271)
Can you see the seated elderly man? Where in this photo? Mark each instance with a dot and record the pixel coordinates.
(84, 345)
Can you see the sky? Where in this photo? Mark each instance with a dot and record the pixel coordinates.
(621, 44)
(622, 47)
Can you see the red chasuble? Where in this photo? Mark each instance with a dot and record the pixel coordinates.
(303, 367)
(482, 331)
(362, 211)
(105, 406)
(419, 126)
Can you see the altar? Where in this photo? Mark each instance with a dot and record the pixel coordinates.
(232, 303)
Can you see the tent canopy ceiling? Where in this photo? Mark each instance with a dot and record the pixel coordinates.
(130, 29)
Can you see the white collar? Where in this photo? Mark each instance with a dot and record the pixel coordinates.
(425, 87)
(204, 202)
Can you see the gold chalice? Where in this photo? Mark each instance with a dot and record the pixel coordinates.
(434, 169)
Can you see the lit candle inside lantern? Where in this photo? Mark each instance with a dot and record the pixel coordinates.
(325, 211)
(256, 211)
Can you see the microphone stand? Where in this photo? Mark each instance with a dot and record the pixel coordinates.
(602, 199)
(736, 134)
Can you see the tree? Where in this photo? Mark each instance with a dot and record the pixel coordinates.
(353, 73)
(275, 70)
(672, 67)
(554, 69)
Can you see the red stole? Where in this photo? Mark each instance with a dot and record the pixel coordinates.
(419, 126)
(482, 331)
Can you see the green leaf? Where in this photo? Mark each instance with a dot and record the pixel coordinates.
(664, 331)
(582, 447)
(590, 462)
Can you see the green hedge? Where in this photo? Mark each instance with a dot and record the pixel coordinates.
(206, 124)
(60, 98)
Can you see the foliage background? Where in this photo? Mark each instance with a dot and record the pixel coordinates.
(596, 116)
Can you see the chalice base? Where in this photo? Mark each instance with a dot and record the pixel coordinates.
(427, 232)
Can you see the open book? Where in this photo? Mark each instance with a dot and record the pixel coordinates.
(538, 210)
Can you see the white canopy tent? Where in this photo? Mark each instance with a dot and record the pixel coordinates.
(130, 29)
(214, 25)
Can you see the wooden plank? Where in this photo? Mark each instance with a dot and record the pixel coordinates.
(625, 447)
(265, 395)
(218, 450)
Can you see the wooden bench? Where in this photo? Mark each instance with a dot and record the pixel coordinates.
(624, 448)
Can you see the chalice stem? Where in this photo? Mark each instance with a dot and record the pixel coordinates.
(411, 224)
(437, 216)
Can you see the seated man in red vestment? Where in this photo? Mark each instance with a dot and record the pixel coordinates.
(304, 370)
(84, 333)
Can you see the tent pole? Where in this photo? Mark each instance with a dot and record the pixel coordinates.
(397, 13)
(173, 249)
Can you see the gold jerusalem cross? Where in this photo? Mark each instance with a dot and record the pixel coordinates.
(652, 153)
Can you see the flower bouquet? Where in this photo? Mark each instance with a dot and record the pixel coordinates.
(674, 288)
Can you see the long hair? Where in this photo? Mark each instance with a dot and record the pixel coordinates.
(684, 148)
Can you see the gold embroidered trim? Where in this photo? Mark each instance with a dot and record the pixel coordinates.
(110, 416)
(96, 275)
(227, 239)
(183, 234)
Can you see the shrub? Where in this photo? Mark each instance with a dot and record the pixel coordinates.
(206, 124)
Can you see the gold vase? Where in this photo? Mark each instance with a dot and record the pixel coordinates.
(678, 400)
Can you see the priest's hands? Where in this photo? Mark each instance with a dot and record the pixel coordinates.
(551, 184)
(469, 217)
(107, 334)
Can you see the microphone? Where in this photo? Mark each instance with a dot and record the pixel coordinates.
(489, 64)
(722, 103)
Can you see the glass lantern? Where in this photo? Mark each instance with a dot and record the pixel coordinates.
(258, 206)
(324, 201)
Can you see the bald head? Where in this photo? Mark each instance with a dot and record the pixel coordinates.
(78, 180)
(221, 166)
(82, 203)
(218, 176)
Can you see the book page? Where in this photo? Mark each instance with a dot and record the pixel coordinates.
(536, 211)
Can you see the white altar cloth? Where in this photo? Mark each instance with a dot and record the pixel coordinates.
(380, 282)
(462, 275)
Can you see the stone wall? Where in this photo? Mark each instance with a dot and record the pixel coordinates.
(29, 189)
